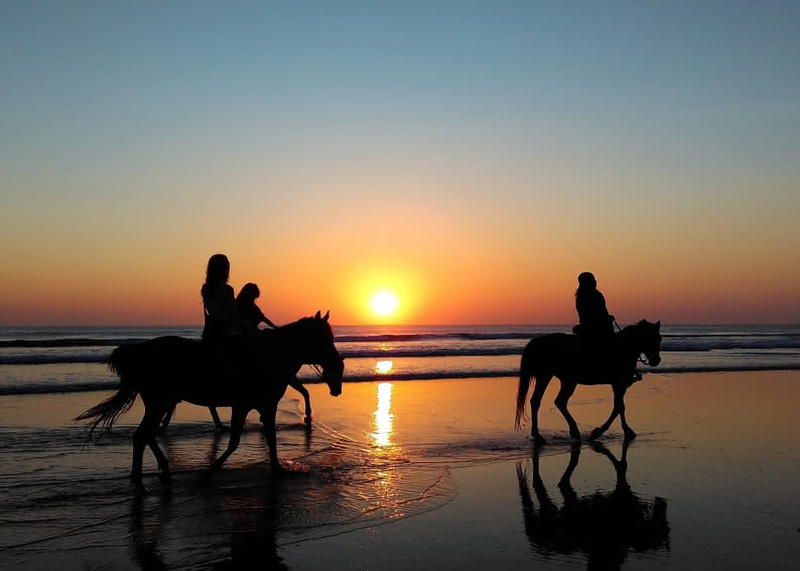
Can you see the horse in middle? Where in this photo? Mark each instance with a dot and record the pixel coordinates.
(564, 356)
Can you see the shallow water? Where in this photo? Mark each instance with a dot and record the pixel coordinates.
(427, 474)
(373, 456)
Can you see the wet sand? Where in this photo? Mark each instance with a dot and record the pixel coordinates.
(421, 474)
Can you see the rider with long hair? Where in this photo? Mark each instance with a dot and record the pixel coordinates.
(223, 324)
(221, 317)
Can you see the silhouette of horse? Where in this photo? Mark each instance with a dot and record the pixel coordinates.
(603, 525)
(166, 370)
(294, 383)
(564, 356)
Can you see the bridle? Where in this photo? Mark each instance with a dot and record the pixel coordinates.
(639, 358)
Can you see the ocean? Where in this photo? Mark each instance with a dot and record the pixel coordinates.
(438, 448)
(39, 360)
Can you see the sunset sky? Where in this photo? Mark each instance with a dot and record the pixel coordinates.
(470, 157)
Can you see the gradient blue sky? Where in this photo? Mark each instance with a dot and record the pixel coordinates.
(473, 155)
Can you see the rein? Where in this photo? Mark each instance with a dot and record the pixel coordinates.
(290, 329)
(639, 358)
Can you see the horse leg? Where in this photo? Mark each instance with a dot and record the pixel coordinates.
(567, 388)
(618, 410)
(619, 404)
(215, 417)
(598, 432)
(536, 400)
(145, 435)
(238, 416)
(298, 386)
(268, 419)
(163, 465)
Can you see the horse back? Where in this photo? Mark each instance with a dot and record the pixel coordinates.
(551, 354)
(153, 356)
(560, 343)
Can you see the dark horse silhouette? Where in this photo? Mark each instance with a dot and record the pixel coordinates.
(564, 356)
(603, 525)
(167, 370)
(294, 382)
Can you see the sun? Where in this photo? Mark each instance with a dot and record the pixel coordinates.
(384, 303)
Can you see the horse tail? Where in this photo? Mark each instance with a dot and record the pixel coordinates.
(122, 362)
(525, 375)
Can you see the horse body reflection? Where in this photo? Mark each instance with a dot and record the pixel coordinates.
(605, 526)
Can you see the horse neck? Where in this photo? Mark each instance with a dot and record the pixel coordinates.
(630, 341)
(289, 339)
(290, 333)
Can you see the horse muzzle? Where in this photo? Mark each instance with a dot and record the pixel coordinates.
(332, 375)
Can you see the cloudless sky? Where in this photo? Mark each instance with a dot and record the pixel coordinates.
(472, 156)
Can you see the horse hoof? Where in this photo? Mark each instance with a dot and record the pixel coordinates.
(165, 477)
(596, 433)
(630, 435)
(138, 486)
(538, 440)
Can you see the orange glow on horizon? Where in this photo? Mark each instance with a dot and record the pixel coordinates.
(384, 293)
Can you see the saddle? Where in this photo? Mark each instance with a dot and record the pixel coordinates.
(600, 353)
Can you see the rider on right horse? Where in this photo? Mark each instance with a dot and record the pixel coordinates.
(595, 329)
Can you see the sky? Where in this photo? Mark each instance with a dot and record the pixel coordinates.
(473, 157)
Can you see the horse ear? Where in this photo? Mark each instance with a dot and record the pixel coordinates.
(658, 324)
(317, 315)
(327, 315)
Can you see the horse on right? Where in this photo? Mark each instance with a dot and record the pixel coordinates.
(563, 356)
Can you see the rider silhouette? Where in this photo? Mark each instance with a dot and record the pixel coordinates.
(250, 312)
(219, 306)
(595, 322)
(596, 325)
(223, 325)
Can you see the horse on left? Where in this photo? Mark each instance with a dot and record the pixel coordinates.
(253, 375)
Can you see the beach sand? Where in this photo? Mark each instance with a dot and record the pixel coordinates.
(424, 475)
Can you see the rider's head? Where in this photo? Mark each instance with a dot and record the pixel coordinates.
(586, 280)
(249, 293)
(218, 270)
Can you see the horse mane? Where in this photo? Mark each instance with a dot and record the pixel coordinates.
(638, 325)
(295, 326)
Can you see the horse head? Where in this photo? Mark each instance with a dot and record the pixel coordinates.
(648, 336)
(318, 349)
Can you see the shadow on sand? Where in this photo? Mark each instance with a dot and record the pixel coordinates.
(604, 525)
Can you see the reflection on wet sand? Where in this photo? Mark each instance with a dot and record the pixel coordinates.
(383, 417)
(146, 532)
(384, 367)
(335, 484)
(218, 529)
(383, 456)
(604, 525)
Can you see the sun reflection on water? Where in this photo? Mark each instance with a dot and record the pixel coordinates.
(384, 419)
(384, 367)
